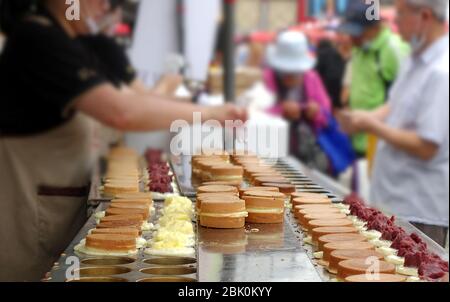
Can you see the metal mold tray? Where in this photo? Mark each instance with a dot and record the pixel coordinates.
(139, 268)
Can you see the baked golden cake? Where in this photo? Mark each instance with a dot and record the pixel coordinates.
(248, 171)
(223, 214)
(117, 231)
(345, 245)
(217, 189)
(286, 189)
(381, 278)
(203, 196)
(119, 224)
(224, 172)
(118, 187)
(131, 204)
(248, 189)
(135, 196)
(320, 231)
(264, 206)
(300, 214)
(309, 195)
(258, 181)
(320, 216)
(199, 165)
(114, 221)
(111, 243)
(214, 196)
(353, 267)
(329, 223)
(313, 206)
(339, 238)
(253, 176)
(341, 255)
(305, 200)
(204, 168)
(144, 213)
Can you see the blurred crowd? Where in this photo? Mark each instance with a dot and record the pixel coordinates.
(372, 91)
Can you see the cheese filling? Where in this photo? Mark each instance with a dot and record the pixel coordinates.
(371, 235)
(187, 252)
(147, 226)
(396, 260)
(225, 215)
(386, 251)
(407, 271)
(266, 210)
(381, 243)
(81, 247)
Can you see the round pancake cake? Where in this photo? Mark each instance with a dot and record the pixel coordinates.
(320, 216)
(111, 242)
(341, 255)
(320, 231)
(352, 267)
(339, 238)
(329, 223)
(345, 245)
(384, 278)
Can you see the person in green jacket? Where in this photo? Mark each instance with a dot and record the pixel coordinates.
(376, 58)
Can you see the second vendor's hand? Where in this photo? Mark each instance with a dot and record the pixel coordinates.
(362, 121)
(227, 112)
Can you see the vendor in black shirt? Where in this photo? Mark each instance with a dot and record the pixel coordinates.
(49, 82)
(111, 57)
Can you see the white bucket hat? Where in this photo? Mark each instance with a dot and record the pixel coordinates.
(290, 54)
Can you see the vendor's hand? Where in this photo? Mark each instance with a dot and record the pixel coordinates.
(227, 112)
(311, 111)
(168, 84)
(291, 110)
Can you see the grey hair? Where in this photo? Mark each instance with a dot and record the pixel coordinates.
(439, 7)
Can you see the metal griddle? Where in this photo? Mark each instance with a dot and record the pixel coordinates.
(257, 253)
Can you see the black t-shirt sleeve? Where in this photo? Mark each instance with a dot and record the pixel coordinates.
(112, 57)
(55, 67)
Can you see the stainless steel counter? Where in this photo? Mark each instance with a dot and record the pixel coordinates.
(258, 252)
(138, 268)
(268, 252)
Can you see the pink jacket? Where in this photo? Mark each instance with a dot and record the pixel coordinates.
(315, 90)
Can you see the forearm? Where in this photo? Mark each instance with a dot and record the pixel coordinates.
(153, 112)
(382, 112)
(127, 110)
(405, 140)
(139, 87)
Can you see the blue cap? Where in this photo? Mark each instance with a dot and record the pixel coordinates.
(356, 21)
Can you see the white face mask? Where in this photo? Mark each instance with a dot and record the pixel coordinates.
(417, 41)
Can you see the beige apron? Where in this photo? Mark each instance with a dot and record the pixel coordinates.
(42, 197)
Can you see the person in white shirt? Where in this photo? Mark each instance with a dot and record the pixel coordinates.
(411, 169)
